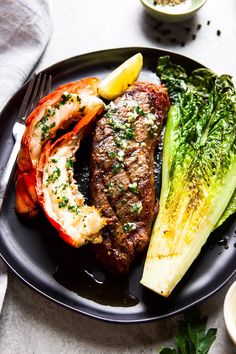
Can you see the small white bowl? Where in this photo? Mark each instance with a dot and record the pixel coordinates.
(177, 13)
(230, 311)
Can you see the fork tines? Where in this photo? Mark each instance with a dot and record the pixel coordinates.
(38, 86)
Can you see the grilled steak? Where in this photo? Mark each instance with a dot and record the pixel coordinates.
(122, 171)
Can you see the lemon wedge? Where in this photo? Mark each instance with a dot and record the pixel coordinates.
(118, 81)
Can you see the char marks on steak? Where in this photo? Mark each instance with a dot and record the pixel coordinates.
(122, 171)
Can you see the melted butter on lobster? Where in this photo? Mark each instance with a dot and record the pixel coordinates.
(70, 102)
(58, 193)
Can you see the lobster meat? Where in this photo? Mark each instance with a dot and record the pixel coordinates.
(69, 103)
(57, 191)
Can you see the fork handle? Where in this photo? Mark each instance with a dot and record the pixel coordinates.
(8, 172)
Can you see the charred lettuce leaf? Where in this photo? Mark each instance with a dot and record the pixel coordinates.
(230, 209)
(198, 173)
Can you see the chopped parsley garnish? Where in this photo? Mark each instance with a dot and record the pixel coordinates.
(82, 109)
(111, 108)
(121, 141)
(132, 116)
(107, 114)
(136, 208)
(74, 208)
(133, 187)
(42, 121)
(69, 163)
(116, 124)
(65, 98)
(45, 132)
(52, 125)
(63, 203)
(116, 168)
(62, 187)
(129, 133)
(108, 185)
(151, 133)
(139, 111)
(54, 176)
(120, 155)
(111, 154)
(118, 141)
(121, 188)
(51, 112)
(129, 226)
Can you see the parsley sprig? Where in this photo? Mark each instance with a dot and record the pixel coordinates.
(192, 336)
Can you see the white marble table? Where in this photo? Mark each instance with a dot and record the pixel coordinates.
(29, 323)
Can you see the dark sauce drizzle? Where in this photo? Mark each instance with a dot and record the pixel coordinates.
(79, 272)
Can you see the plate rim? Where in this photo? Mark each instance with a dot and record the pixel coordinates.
(23, 277)
(117, 321)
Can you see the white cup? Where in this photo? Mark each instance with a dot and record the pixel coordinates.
(230, 311)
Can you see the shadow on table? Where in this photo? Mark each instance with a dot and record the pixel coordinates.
(74, 329)
(172, 35)
(79, 331)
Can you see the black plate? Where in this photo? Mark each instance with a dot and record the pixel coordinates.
(72, 277)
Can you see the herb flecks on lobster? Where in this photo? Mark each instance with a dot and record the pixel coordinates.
(58, 192)
(69, 103)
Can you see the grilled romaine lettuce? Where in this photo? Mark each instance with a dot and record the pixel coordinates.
(231, 208)
(198, 173)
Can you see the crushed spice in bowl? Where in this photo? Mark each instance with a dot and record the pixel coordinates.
(167, 2)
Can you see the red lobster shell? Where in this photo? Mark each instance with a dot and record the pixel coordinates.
(70, 102)
(57, 191)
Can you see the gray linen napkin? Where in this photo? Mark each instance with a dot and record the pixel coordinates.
(25, 29)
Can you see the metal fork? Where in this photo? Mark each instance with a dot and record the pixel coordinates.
(38, 86)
